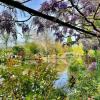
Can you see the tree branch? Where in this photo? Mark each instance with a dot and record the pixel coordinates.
(26, 1)
(24, 20)
(96, 11)
(91, 23)
(39, 14)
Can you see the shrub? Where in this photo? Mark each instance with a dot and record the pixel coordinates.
(34, 48)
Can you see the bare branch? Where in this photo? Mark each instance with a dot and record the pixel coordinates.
(26, 1)
(24, 20)
(96, 12)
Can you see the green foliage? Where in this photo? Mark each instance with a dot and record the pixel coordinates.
(97, 23)
(34, 48)
(29, 82)
(35, 81)
(17, 49)
(84, 83)
(87, 85)
(69, 40)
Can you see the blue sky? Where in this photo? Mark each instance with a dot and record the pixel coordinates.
(35, 4)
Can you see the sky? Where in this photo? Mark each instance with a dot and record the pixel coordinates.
(35, 4)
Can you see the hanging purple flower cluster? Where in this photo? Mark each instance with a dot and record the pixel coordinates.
(6, 22)
(40, 26)
(59, 36)
(9, 24)
(53, 5)
(25, 28)
(64, 11)
(62, 5)
(45, 6)
(88, 7)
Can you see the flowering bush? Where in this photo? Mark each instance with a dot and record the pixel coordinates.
(28, 82)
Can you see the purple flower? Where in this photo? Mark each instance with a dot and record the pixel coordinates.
(89, 9)
(25, 28)
(92, 66)
(36, 21)
(59, 36)
(40, 28)
(54, 27)
(45, 6)
(85, 2)
(54, 3)
(62, 5)
(65, 29)
(57, 33)
(74, 18)
(71, 31)
(6, 25)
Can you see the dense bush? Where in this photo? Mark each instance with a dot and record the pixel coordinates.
(17, 50)
(83, 82)
(28, 82)
(34, 48)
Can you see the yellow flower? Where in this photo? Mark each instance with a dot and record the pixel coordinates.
(78, 50)
(91, 53)
(79, 60)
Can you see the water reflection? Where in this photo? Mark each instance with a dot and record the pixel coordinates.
(62, 80)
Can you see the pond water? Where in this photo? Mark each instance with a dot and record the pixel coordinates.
(62, 80)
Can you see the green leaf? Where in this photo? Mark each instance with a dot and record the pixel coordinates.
(69, 40)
